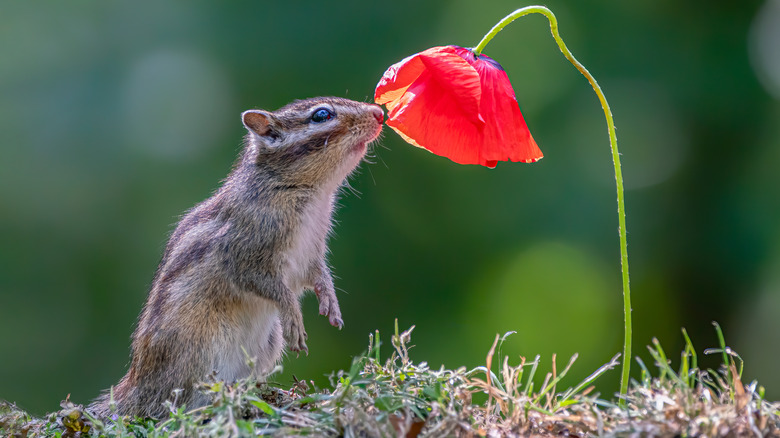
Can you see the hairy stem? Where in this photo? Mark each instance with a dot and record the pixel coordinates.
(615, 160)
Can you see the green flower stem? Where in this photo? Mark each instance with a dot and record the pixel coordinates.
(615, 160)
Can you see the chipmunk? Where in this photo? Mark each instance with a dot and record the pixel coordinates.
(234, 270)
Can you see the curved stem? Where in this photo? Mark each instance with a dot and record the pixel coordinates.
(615, 160)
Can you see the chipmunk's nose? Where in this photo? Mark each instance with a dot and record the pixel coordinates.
(379, 115)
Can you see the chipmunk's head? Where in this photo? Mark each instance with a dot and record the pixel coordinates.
(315, 141)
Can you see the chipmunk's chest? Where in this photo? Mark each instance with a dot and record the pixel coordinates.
(309, 243)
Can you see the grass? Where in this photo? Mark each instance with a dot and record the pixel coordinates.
(394, 396)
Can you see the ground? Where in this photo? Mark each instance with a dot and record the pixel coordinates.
(397, 397)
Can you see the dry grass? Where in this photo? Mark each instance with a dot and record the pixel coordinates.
(397, 397)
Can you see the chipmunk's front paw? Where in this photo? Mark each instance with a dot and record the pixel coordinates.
(329, 305)
(294, 332)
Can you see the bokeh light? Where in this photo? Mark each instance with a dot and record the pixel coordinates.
(537, 293)
(175, 104)
(765, 46)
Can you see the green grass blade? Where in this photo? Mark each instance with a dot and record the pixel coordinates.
(530, 383)
(588, 380)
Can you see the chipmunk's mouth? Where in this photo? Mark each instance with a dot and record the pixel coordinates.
(362, 146)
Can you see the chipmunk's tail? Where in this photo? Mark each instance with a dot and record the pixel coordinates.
(113, 401)
(101, 408)
(148, 401)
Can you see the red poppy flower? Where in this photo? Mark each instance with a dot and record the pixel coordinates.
(458, 105)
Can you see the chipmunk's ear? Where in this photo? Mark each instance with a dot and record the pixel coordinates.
(261, 123)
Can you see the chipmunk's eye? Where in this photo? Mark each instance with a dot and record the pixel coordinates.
(322, 115)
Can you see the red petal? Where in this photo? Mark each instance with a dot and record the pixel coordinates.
(456, 76)
(458, 105)
(432, 117)
(447, 68)
(396, 80)
(507, 136)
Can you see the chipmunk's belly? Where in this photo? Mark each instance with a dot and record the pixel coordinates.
(254, 332)
(307, 248)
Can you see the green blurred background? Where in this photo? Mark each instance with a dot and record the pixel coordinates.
(115, 117)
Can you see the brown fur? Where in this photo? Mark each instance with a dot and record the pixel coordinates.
(237, 264)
